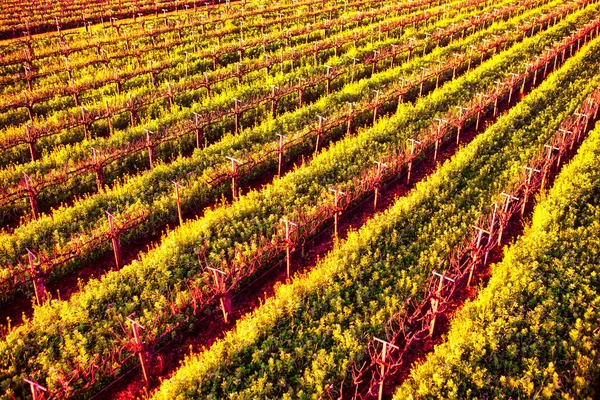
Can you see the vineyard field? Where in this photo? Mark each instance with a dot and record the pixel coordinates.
(303, 199)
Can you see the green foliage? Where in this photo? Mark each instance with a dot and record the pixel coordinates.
(534, 330)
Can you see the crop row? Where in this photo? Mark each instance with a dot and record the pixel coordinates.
(66, 343)
(191, 79)
(72, 73)
(108, 34)
(40, 17)
(71, 170)
(304, 341)
(93, 80)
(127, 44)
(410, 329)
(532, 330)
(258, 152)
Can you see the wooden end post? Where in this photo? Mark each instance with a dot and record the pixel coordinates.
(288, 245)
(38, 283)
(236, 111)
(329, 69)
(273, 100)
(97, 168)
(234, 175)
(150, 147)
(36, 389)
(199, 131)
(32, 196)
(135, 326)
(380, 167)
(114, 236)
(280, 151)
(225, 299)
(526, 194)
(319, 133)
(413, 142)
(178, 200)
(336, 194)
(439, 137)
(384, 352)
(435, 301)
(376, 109)
(548, 165)
(460, 118)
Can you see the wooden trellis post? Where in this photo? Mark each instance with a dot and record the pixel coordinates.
(178, 200)
(455, 65)
(413, 142)
(423, 73)
(132, 112)
(525, 78)
(114, 236)
(380, 167)
(513, 76)
(536, 70)
(319, 133)
(526, 194)
(32, 196)
(207, 81)
(376, 109)
(471, 47)
(38, 282)
(435, 301)
(564, 132)
(411, 41)
(187, 53)
(459, 127)
(139, 348)
(393, 56)
(481, 231)
(237, 72)
(498, 85)
(36, 389)
(280, 151)
(234, 175)
(548, 157)
(582, 117)
(109, 118)
(273, 100)
(547, 60)
(31, 140)
(374, 66)
(288, 244)
(300, 91)
(150, 147)
(27, 70)
(437, 74)
(328, 76)
(350, 118)
(236, 112)
(336, 200)
(403, 83)
(427, 36)
(354, 61)
(225, 300)
(440, 121)
(28, 105)
(383, 363)
(199, 131)
(507, 199)
(491, 231)
(170, 94)
(480, 109)
(97, 168)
